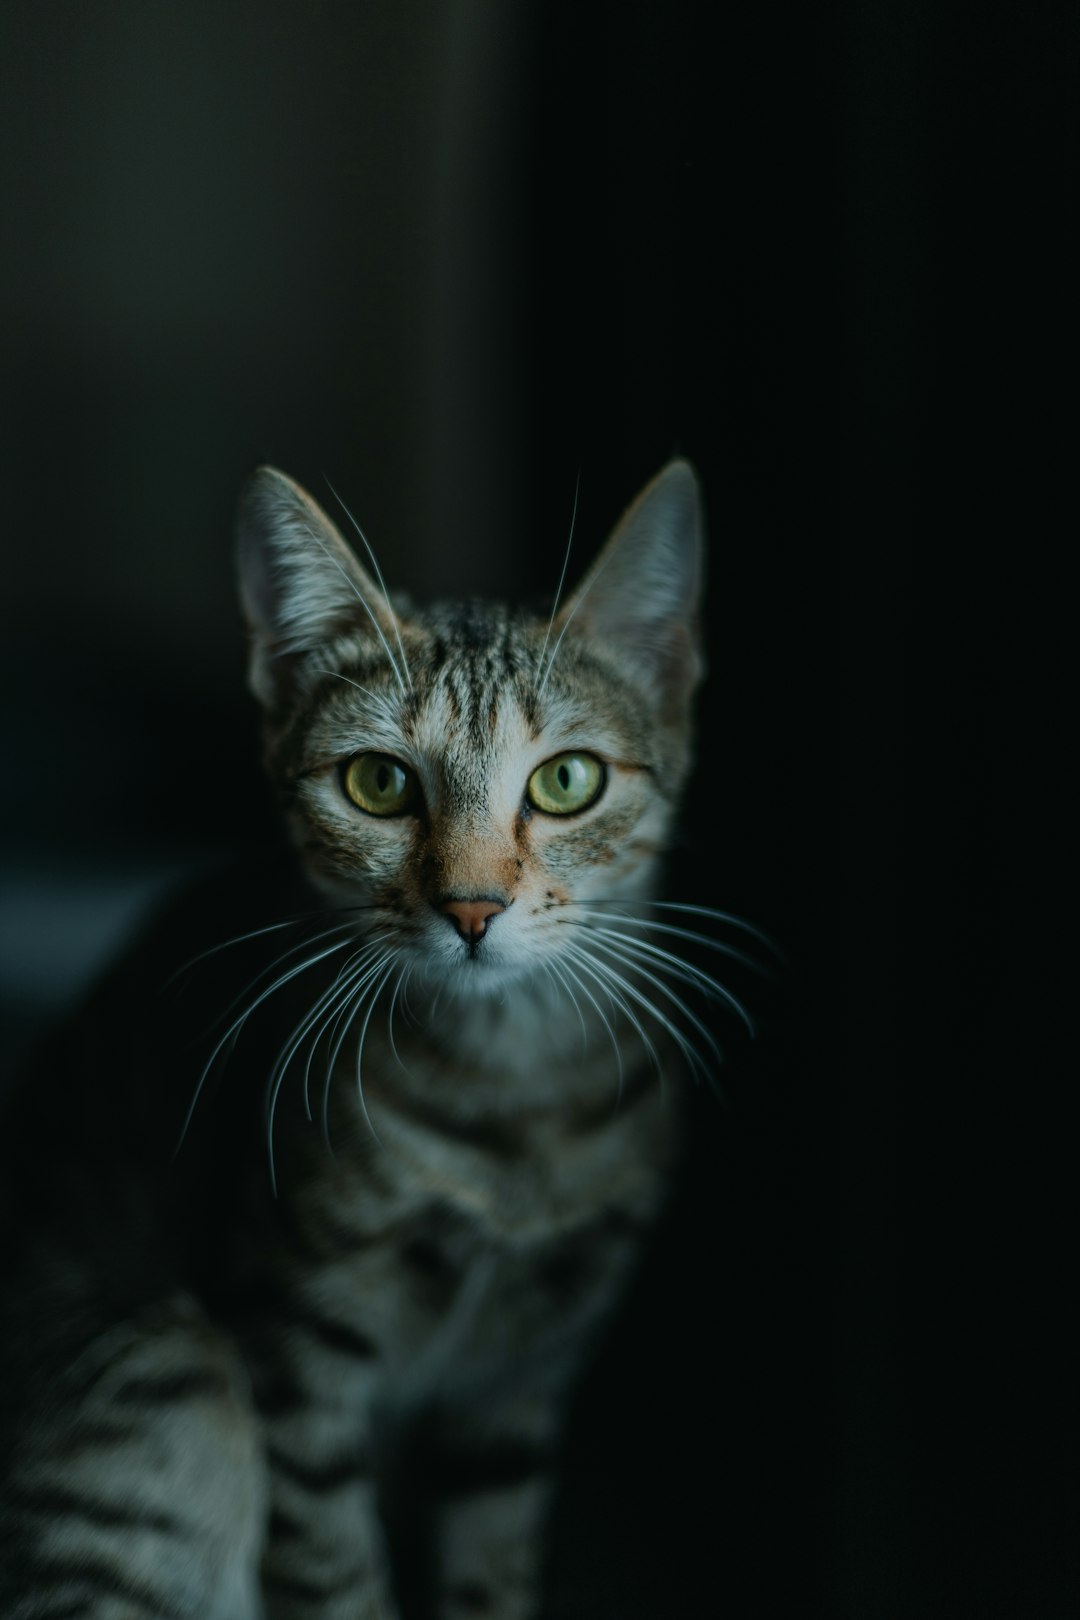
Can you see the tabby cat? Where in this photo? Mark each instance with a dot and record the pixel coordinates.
(261, 1223)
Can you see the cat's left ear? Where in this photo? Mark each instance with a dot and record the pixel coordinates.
(642, 596)
(300, 584)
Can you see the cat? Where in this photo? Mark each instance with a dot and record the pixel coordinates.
(406, 1175)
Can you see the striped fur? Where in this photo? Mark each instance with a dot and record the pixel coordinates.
(416, 1162)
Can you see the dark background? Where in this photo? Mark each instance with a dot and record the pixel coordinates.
(450, 255)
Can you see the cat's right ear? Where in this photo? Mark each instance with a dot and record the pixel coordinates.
(641, 598)
(300, 584)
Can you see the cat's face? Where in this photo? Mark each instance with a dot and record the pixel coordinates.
(470, 776)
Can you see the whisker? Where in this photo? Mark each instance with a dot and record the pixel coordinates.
(607, 1025)
(336, 673)
(406, 1005)
(242, 939)
(636, 964)
(399, 990)
(362, 599)
(719, 945)
(582, 594)
(689, 1051)
(344, 928)
(379, 577)
(681, 968)
(698, 911)
(338, 991)
(562, 580)
(557, 979)
(360, 1044)
(327, 1009)
(233, 1031)
(438, 997)
(342, 1023)
(603, 974)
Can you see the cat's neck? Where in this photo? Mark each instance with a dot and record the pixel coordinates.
(526, 1045)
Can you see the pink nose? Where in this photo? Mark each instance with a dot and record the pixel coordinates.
(470, 917)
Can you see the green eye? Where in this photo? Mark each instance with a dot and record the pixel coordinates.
(566, 783)
(379, 784)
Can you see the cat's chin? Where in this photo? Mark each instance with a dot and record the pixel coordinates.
(478, 978)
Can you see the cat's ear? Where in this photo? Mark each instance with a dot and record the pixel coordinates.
(299, 582)
(641, 596)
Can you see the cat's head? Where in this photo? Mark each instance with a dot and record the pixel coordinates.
(471, 775)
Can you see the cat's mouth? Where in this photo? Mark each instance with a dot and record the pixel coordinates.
(474, 960)
(480, 964)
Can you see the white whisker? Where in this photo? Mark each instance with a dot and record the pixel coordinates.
(379, 577)
(605, 976)
(680, 968)
(347, 929)
(399, 990)
(336, 673)
(406, 1005)
(362, 599)
(342, 1023)
(607, 1025)
(699, 911)
(633, 960)
(718, 945)
(242, 939)
(231, 1034)
(559, 982)
(338, 991)
(329, 997)
(360, 1044)
(329, 1004)
(562, 580)
(582, 594)
(689, 1051)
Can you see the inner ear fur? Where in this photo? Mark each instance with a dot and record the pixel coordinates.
(300, 583)
(642, 595)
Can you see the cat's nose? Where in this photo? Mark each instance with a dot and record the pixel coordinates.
(470, 917)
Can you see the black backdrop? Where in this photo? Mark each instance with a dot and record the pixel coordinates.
(451, 255)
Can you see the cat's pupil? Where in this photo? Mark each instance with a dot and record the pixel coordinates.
(382, 778)
(564, 777)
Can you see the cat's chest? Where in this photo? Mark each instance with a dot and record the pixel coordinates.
(518, 1172)
(522, 1178)
(418, 1218)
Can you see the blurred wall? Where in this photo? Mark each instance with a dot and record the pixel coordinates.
(453, 253)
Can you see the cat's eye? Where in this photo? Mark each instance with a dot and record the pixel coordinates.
(380, 784)
(567, 783)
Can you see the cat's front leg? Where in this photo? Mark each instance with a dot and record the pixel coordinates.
(133, 1485)
(500, 1431)
(491, 1530)
(325, 1555)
